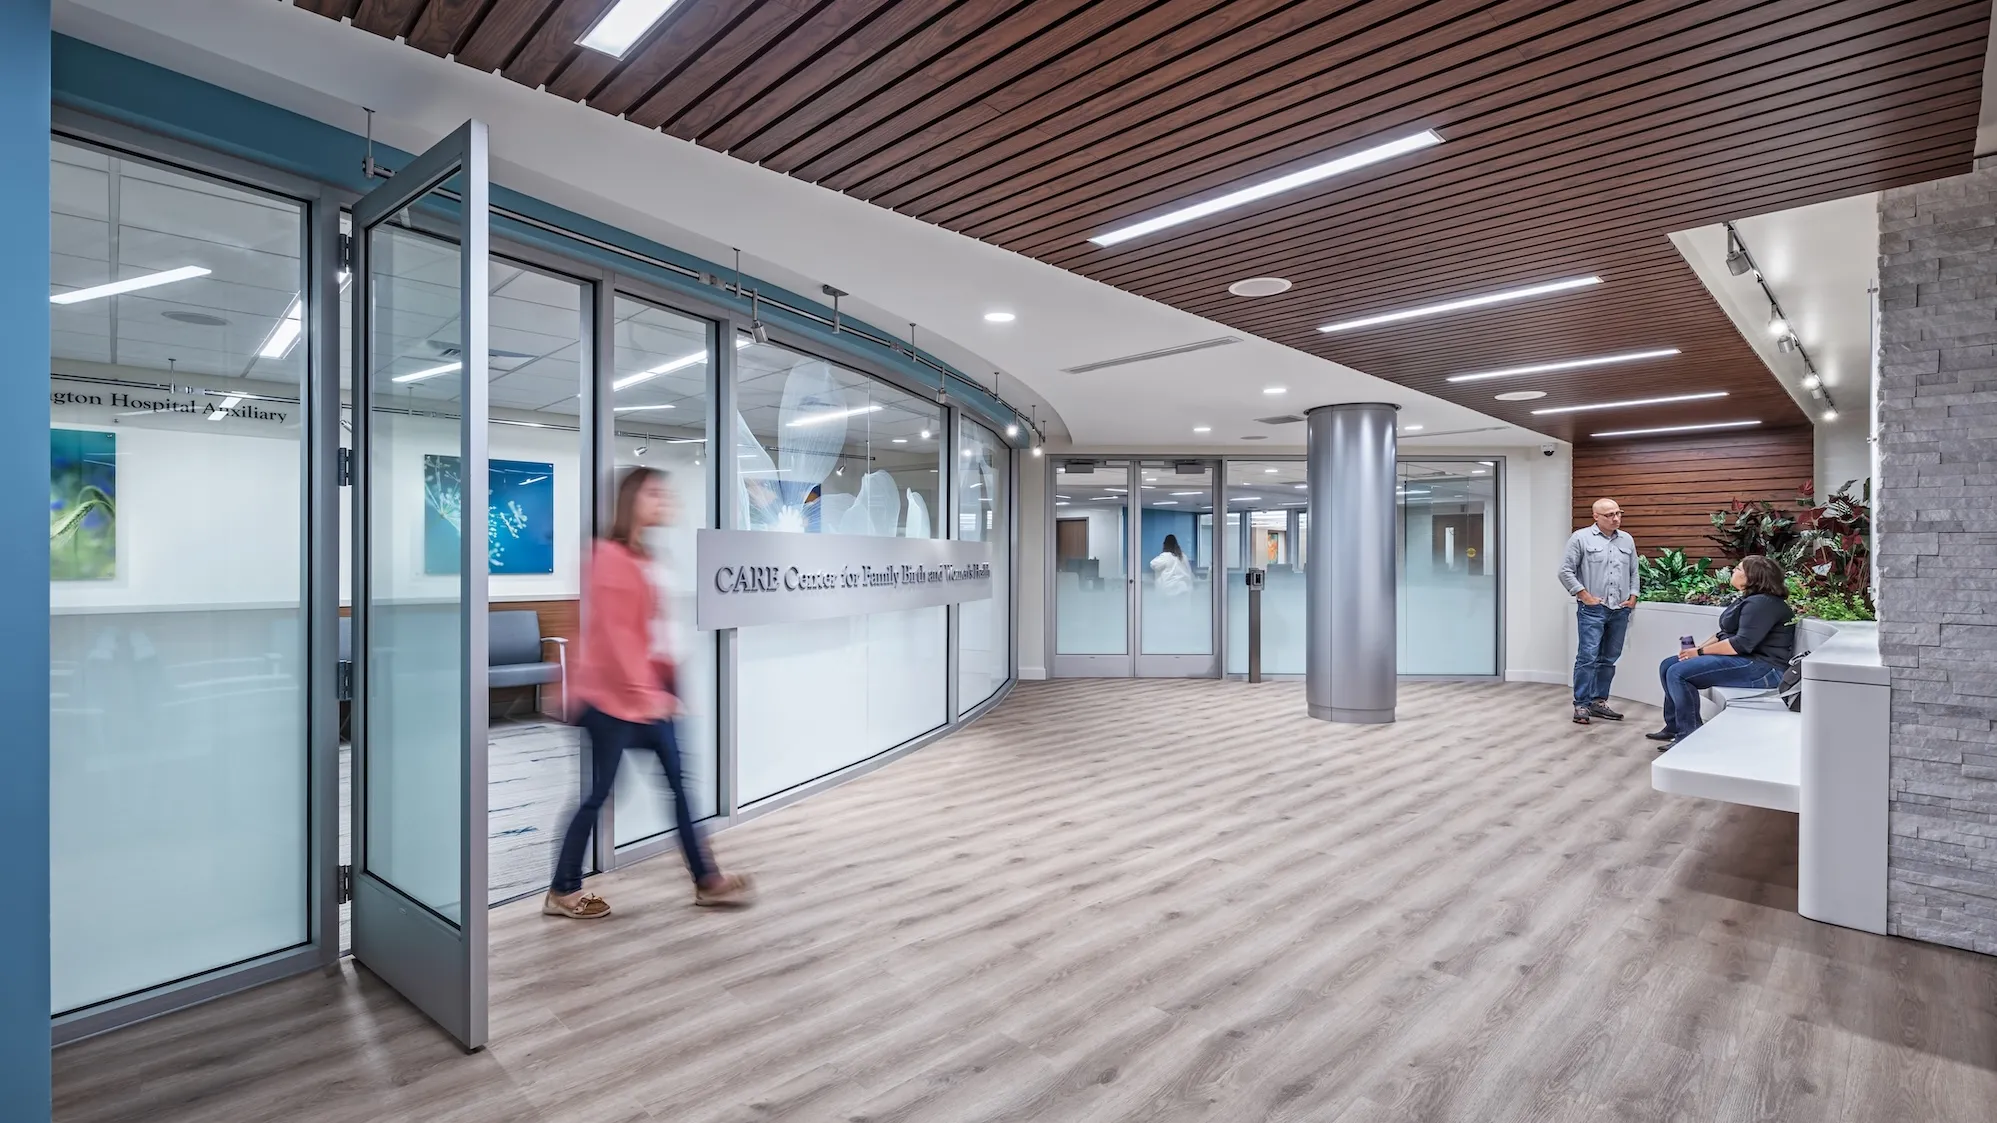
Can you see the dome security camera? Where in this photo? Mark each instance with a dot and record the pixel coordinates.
(1546, 450)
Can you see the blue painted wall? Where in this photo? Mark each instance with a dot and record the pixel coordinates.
(24, 560)
(1157, 524)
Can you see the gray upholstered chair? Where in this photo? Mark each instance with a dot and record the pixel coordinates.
(517, 651)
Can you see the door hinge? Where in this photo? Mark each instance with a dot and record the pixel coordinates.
(347, 253)
(346, 884)
(343, 681)
(343, 467)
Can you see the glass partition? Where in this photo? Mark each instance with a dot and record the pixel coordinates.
(983, 499)
(664, 365)
(1267, 523)
(177, 742)
(1448, 603)
(820, 449)
(1175, 551)
(1091, 569)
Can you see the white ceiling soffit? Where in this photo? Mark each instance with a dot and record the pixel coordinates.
(1986, 118)
(1821, 261)
(898, 268)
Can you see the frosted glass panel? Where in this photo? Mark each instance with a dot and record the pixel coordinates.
(984, 630)
(1175, 578)
(660, 393)
(825, 450)
(1266, 525)
(1448, 604)
(415, 707)
(1091, 572)
(177, 751)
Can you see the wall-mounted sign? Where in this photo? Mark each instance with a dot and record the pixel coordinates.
(749, 577)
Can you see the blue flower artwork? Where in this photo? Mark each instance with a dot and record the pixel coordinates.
(520, 515)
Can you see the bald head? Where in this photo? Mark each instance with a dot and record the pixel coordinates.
(1608, 515)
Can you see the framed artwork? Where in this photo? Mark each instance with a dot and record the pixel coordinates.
(520, 515)
(83, 505)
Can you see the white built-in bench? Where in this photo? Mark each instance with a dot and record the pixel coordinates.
(1827, 764)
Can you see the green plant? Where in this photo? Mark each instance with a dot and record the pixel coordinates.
(1758, 527)
(1833, 606)
(1836, 549)
(1670, 574)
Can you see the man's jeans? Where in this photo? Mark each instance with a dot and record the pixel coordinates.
(1602, 630)
(1683, 679)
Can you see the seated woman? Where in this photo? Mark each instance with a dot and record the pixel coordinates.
(1756, 640)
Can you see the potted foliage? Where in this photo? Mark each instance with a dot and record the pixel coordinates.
(1759, 527)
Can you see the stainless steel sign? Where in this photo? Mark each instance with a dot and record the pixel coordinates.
(749, 577)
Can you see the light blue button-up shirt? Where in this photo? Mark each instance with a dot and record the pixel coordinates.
(1603, 564)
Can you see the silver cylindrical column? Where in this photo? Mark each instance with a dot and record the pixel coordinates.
(1349, 575)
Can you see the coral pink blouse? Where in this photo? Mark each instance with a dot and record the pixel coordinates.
(616, 671)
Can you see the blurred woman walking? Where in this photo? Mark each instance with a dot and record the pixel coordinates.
(627, 696)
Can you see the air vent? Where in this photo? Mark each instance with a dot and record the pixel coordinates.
(1147, 356)
(202, 319)
(1255, 437)
(1285, 419)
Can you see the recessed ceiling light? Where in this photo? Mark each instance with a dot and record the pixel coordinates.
(1412, 428)
(1303, 487)
(834, 415)
(901, 440)
(1568, 364)
(129, 284)
(999, 317)
(638, 409)
(1184, 493)
(924, 434)
(1411, 143)
(1270, 471)
(1165, 503)
(1202, 428)
(1676, 429)
(1275, 390)
(1259, 286)
(1462, 304)
(624, 24)
(1709, 395)
(1520, 395)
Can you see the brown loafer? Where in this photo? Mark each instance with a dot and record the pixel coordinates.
(588, 906)
(735, 889)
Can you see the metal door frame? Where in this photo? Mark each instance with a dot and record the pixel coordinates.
(439, 966)
(1177, 666)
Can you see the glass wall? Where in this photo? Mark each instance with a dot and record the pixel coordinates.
(660, 395)
(1266, 522)
(984, 504)
(1091, 571)
(178, 779)
(820, 449)
(1175, 539)
(1448, 607)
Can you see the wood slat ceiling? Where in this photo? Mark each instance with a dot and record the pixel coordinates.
(1577, 135)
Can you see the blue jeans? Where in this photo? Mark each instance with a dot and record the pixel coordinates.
(1683, 679)
(608, 738)
(1602, 629)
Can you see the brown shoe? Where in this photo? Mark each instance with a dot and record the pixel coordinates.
(585, 906)
(735, 890)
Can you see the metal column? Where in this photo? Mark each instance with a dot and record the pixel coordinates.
(1349, 578)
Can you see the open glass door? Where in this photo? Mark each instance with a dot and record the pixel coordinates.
(419, 617)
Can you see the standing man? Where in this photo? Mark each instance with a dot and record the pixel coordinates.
(1598, 570)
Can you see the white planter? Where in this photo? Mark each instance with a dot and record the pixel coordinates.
(1654, 630)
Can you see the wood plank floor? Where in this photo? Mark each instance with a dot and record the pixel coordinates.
(1158, 901)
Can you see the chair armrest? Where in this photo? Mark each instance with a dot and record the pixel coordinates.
(561, 651)
(555, 639)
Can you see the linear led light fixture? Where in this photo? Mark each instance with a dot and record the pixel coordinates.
(129, 284)
(1635, 402)
(624, 24)
(222, 410)
(681, 363)
(1677, 429)
(428, 372)
(834, 415)
(636, 409)
(284, 334)
(1504, 296)
(1414, 142)
(1567, 364)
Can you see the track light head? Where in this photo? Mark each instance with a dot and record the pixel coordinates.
(1812, 382)
(1787, 343)
(759, 332)
(1777, 326)
(1830, 415)
(1737, 262)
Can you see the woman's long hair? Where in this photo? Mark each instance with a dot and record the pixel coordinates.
(1764, 576)
(623, 530)
(1172, 547)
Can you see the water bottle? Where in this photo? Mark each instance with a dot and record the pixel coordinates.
(1686, 644)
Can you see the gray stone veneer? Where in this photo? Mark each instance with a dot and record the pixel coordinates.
(1937, 553)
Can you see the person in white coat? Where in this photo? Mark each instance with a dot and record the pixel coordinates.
(1171, 570)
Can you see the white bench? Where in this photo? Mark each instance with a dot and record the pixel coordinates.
(1828, 765)
(1751, 753)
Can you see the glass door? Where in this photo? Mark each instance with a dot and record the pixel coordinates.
(420, 354)
(1093, 570)
(1176, 566)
